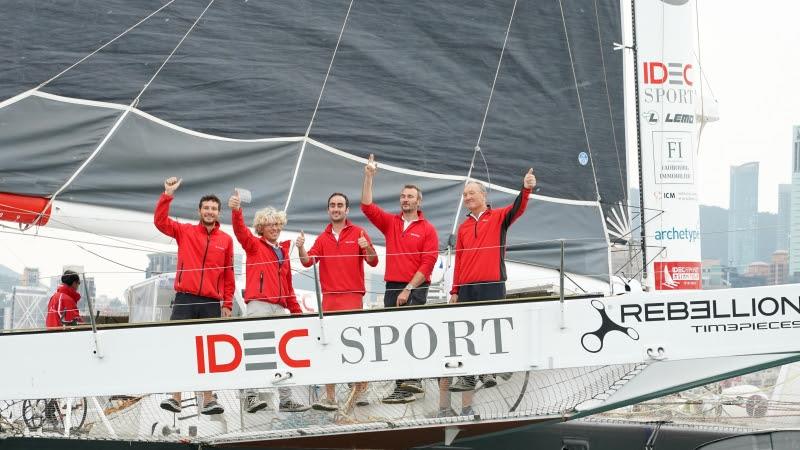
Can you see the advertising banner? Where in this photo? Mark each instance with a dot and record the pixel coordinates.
(668, 76)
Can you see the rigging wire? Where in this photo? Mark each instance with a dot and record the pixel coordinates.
(580, 102)
(316, 106)
(622, 178)
(129, 29)
(118, 122)
(477, 148)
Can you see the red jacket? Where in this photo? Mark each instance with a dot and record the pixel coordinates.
(407, 252)
(205, 259)
(341, 268)
(481, 244)
(266, 279)
(63, 307)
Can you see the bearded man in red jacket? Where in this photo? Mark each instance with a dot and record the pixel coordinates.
(204, 282)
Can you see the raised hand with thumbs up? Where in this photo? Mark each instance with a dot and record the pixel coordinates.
(362, 241)
(301, 240)
(529, 182)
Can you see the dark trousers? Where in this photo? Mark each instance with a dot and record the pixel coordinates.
(190, 306)
(418, 296)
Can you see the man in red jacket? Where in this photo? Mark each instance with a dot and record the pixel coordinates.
(480, 269)
(412, 248)
(268, 281)
(341, 250)
(62, 309)
(205, 271)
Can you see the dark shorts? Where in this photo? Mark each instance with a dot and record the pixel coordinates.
(419, 296)
(482, 291)
(188, 306)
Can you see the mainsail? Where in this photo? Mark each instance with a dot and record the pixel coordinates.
(285, 100)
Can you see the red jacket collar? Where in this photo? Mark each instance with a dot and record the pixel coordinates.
(419, 213)
(66, 290)
(216, 226)
(347, 224)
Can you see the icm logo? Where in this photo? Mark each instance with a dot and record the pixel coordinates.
(675, 234)
(258, 354)
(592, 342)
(651, 117)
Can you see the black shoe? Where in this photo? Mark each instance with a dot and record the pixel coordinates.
(463, 384)
(489, 381)
(292, 406)
(254, 404)
(397, 396)
(171, 405)
(212, 408)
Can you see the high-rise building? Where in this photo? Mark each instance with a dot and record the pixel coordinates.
(784, 217)
(161, 263)
(743, 215)
(30, 277)
(794, 226)
(779, 267)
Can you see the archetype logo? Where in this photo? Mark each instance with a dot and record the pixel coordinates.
(593, 341)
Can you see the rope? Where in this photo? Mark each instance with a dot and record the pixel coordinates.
(580, 102)
(316, 106)
(131, 28)
(477, 148)
(608, 99)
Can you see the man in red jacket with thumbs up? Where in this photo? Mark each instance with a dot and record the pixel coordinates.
(340, 250)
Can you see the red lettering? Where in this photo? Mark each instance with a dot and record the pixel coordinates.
(650, 75)
(213, 366)
(201, 354)
(288, 336)
(686, 70)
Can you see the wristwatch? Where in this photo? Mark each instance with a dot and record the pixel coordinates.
(409, 287)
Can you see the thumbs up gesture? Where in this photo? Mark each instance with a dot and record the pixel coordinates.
(371, 166)
(171, 185)
(234, 203)
(529, 182)
(301, 240)
(363, 242)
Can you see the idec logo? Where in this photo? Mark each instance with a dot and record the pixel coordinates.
(255, 351)
(677, 275)
(656, 72)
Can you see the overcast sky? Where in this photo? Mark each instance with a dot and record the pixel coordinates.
(749, 55)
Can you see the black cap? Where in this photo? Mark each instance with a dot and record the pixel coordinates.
(70, 277)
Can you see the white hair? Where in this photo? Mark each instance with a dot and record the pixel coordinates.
(480, 185)
(268, 215)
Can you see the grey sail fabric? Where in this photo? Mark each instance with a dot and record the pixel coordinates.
(410, 82)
